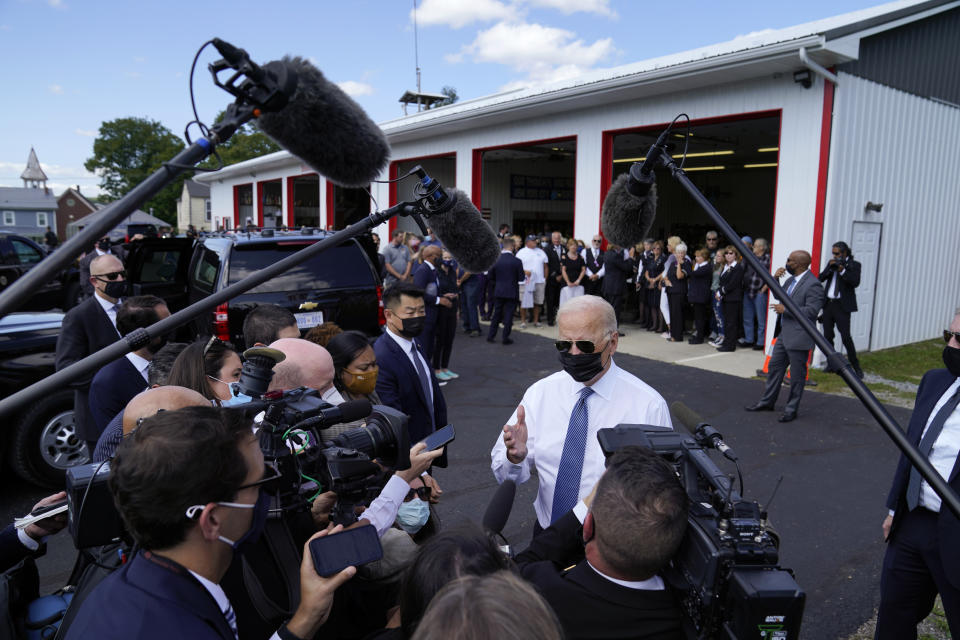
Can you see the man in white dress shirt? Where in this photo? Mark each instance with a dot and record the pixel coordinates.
(555, 427)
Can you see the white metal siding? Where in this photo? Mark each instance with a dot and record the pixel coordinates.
(903, 151)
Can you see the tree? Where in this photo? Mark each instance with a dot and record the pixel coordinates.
(127, 151)
(248, 142)
(451, 93)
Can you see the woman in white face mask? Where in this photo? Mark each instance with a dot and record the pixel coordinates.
(414, 513)
(208, 366)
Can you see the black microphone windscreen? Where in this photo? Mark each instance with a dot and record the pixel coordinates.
(327, 130)
(355, 409)
(498, 511)
(466, 234)
(686, 415)
(626, 219)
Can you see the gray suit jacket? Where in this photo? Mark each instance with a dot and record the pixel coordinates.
(808, 295)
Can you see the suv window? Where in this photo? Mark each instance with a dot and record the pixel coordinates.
(205, 272)
(340, 267)
(159, 265)
(26, 253)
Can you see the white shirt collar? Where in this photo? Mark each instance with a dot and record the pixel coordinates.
(405, 344)
(223, 602)
(430, 264)
(139, 363)
(106, 304)
(506, 251)
(650, 584)
(798, 278)
(602, 387)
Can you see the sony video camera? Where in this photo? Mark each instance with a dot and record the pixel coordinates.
(726, 571)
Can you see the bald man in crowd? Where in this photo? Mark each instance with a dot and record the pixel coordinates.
(143, 405)
(793, 343)
(426, 278)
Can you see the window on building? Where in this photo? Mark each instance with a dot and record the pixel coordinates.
(207, 210)
(9, 219)
(42, 221)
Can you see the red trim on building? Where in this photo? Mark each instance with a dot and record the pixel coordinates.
(288, 210)
(236, 206)
(330, 217)
(606, 176)
(826, 127)
(476, 178)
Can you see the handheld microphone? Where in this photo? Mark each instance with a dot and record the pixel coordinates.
(459, 226)
(498, 511)
(705, 434)
(327, 129)
(626, 217)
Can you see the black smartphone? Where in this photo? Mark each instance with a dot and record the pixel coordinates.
(350, 548)
(439, 438)
(48, 508)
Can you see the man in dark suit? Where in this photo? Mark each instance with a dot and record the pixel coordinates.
(923, 557)
(506, 275)
(193, 490)
(87, 328)
(793, 343)
(614, 590)
(841, 277)
(102, 248)
(426, 278)
(593, 258)
(554, 283)
(405, 380)
(617, 269)
(116, 384)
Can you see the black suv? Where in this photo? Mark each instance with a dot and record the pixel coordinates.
(17, 256)
(340, 284)
(39, 440)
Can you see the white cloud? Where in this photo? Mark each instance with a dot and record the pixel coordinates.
(544, 54)
(5, 27)
(55, 89)
(59, 176)
(132, 74)
(86, 133)
(139, 59)
(601, 7)
(354, 88)
(57, 4)
(459, 13)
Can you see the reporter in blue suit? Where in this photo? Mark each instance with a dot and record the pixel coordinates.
(193, 490)
(923, 554)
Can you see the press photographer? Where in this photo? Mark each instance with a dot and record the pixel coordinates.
(191, 488)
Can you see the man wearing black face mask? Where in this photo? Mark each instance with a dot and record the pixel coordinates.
(555, 427)
(102, 248)
(405, 380)
(115, 385)
(193, 490)
(87, 328)
(923, 558)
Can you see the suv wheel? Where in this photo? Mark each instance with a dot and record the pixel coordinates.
(45, 441)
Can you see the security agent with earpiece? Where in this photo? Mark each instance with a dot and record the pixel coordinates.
(192, 488)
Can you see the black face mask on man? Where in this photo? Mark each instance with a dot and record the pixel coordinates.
(115, 288)
(412, 327)
(951, 358)
(582, 366)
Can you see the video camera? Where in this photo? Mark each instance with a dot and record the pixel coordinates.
(726, 571)
(290, 433)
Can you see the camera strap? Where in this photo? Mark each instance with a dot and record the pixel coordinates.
(278, 541)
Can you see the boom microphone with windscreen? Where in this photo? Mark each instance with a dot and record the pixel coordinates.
(326, 129)
(626, 217)
(462, 230)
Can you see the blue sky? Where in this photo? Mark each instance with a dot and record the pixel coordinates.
(72, 64)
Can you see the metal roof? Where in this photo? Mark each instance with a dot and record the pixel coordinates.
(33, 170)
(27, 198)
(197, 190)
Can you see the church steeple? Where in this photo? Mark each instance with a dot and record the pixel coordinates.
(33, 176)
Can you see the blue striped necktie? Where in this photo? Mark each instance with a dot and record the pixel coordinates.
(566, 492)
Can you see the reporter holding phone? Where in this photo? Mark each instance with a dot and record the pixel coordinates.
(193, 491)
(17, 544)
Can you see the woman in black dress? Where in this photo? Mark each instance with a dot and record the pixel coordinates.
(651, 274)
(730, 295)
(574, 269)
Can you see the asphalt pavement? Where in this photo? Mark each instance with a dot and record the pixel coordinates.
(835, 461)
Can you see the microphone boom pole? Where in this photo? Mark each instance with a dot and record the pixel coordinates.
(836, 361)
(141, 337)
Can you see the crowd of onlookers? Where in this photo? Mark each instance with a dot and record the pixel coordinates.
(703, 288)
